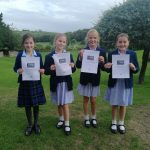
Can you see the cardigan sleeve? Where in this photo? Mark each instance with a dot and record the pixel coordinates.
(73, 68)
(17, 62)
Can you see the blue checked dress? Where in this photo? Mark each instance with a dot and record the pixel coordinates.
(30, 93)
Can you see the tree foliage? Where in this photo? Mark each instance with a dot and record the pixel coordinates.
(132, 17)
(8, 40)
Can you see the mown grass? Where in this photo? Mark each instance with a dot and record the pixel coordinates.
(13, 120)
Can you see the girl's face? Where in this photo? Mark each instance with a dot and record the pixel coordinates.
(60, 43)
(122, 43)
(29, 44)
(92, 40)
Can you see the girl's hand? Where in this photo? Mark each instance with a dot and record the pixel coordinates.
(53, 67)
(72, 65)
(81, 53)
(42, 71)
(132, 67)
(108, 65)
(101, 59)
(20, 70)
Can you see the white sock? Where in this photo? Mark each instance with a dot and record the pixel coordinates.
(121, 123)
(67, 124)
(86, 117)
(114, 122)
(61, 118)
(93, 117)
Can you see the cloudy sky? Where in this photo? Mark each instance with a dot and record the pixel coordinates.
(54, 15)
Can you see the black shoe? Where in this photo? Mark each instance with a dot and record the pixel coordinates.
(87, 123)
(120, 130)
(67, 132)
(60, 124)
(37, 129)
(94, 124)
(28, 130)
(113, 130)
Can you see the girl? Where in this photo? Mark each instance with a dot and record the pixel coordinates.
(30, 93)
(61, 87)
(89, 82)
(120, 91)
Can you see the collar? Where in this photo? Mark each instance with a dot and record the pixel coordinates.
(24, 54)
(64, 51)
(97, 48)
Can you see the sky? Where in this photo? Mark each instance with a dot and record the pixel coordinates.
(54, 15)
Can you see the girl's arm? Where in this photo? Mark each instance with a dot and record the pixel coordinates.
(79, 59)
(47, 65)
(72, 64)
(17, 66)
(134, 65)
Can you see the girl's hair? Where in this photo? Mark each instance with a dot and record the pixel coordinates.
(26, 36)
(92, 31)
(58, 35)
(122, 35)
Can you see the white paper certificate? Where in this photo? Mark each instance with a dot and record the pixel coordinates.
(120, 66)
(30, 66)
(90, 61)
(62, 61)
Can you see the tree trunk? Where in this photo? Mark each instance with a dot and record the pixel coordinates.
(144, 65)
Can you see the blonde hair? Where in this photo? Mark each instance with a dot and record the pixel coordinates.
(58, 35)
(122, 35)
(92, 31)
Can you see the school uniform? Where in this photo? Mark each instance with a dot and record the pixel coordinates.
(120, 91)
(30, 93)
(89, 82)
(61, 87)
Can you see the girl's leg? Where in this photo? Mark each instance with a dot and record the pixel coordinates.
(114, 113)
(66, 112)
(28, 111)
(85, 109)
(122, 113)
(60, 112)
(67, 128)
(93, 111)
(36, 114)
(61, 117)
(114, 119)
(93, 106)
(29, 115)
(36, 117)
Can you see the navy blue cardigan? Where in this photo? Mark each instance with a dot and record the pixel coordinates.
(128, 81)
(94, 79)
(18, 63)
(54, 80)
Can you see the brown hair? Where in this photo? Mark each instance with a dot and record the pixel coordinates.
(26, 36)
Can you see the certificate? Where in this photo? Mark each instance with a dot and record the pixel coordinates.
(30, 66)
(90, 61)
(120, 66)
(62, 62)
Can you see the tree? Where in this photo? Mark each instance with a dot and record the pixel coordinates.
(8, 39)
(132, 17)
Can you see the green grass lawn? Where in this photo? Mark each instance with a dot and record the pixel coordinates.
(13, 120)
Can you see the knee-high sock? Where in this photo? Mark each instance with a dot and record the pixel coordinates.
(29, 115)
(36, 114)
